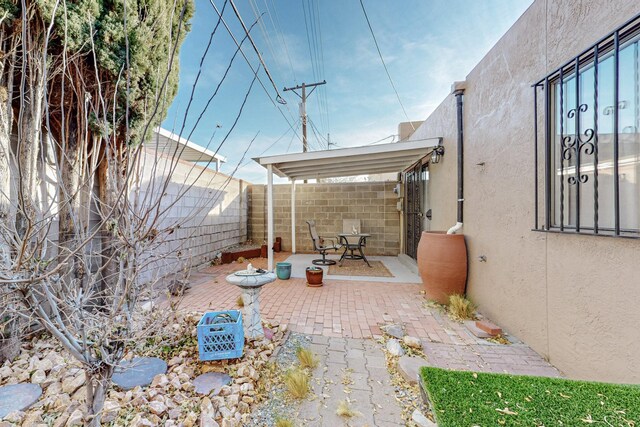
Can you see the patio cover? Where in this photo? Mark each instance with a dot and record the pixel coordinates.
(364, 160)
(168, 142)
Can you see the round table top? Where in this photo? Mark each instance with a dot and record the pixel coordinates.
(354, 235)
(251, 281)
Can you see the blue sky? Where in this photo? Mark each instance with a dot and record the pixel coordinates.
(426, 45)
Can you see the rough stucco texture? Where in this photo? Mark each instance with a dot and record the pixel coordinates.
(574, 299)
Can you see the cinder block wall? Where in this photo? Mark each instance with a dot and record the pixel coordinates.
(373, 203)
(210, 214)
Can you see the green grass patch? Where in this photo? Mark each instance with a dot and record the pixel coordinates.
(466, 399)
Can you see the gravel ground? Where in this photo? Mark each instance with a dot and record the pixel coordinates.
(278, 405)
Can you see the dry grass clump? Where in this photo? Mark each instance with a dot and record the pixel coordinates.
(283, 422)
(460, 308)
(344, 410)
(297, 383)
(240, 301)
(306, 358)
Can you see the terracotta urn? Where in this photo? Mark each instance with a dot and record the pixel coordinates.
(314, 276)
(442, 263)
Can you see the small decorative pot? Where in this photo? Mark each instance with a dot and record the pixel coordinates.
(283, 270)
(314, 276)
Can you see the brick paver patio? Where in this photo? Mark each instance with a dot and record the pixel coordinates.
(342, 316)
(356, 309)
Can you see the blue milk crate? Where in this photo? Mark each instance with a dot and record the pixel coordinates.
(220, 335)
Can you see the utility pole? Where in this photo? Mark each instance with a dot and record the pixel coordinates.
(303, 106)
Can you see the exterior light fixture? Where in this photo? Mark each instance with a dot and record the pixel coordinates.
(436, 154)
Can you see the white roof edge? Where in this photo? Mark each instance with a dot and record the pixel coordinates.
(192, 145)
(347, 152)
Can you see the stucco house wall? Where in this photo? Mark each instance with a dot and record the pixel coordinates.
(573, 298)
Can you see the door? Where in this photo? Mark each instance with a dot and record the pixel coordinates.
(415, 203)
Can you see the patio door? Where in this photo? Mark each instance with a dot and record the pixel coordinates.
(415, 206)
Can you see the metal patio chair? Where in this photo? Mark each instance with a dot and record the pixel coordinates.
(319, 245)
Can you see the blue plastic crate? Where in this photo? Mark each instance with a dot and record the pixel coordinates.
(220, 335)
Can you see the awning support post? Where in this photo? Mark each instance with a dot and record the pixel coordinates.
(270, 217)
(293, 215)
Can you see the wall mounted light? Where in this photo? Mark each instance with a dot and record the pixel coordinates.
(437, 154)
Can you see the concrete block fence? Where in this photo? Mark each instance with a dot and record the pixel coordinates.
(373, 203)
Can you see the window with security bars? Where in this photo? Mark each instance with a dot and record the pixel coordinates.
(589, 157)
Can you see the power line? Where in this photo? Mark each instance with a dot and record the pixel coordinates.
(383, 63)
(251, 66)
(255, 48)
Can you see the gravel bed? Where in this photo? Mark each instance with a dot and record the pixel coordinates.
(279, 405)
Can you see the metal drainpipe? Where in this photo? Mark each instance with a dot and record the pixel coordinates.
(459, 103)
(459, 93)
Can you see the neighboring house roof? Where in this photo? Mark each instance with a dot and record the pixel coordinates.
(369, 159)
(167, 142)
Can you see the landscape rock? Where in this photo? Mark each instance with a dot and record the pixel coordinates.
(157, 408)
(140, 371)
(394, 348)
(206, 420)
(422, 421)
(211, 383)
(412, 342)
(38, 377)
(18, 397)
(393, 330)
(409, 367)
(70, 385)
(75, 419)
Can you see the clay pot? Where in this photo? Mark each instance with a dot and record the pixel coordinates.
(442, 263)
(263, 251)
(314, 276)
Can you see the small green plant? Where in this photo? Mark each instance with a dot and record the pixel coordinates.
(306, 358)
(297, 383)
(344, 410)
(240, 301)
(460, 308)
(283, 422)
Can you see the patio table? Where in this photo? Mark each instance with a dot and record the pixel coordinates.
(349, 246)
(250, 286)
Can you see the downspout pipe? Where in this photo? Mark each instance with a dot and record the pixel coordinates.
(459, 94)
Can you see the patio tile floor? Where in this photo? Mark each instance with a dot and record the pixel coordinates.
(356, 309)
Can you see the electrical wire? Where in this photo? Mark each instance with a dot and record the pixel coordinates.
(384, 64)
(279, 98)
(251, 66)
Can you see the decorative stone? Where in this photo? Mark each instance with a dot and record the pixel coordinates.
(268, 333)
(18, 397)
(206, 420)
(157, 408)
(422, 421)
(38, 377)
(211, 383)
(140, 371)
(71, 384)
(412, 342)
(394, 347)
(409, 367)
(75, 419)
(394, 330)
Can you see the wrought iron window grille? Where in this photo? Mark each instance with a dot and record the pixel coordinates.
(587, 151)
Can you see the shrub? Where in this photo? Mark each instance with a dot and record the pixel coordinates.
(306, 358)
(297, 383)
(460, 308)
